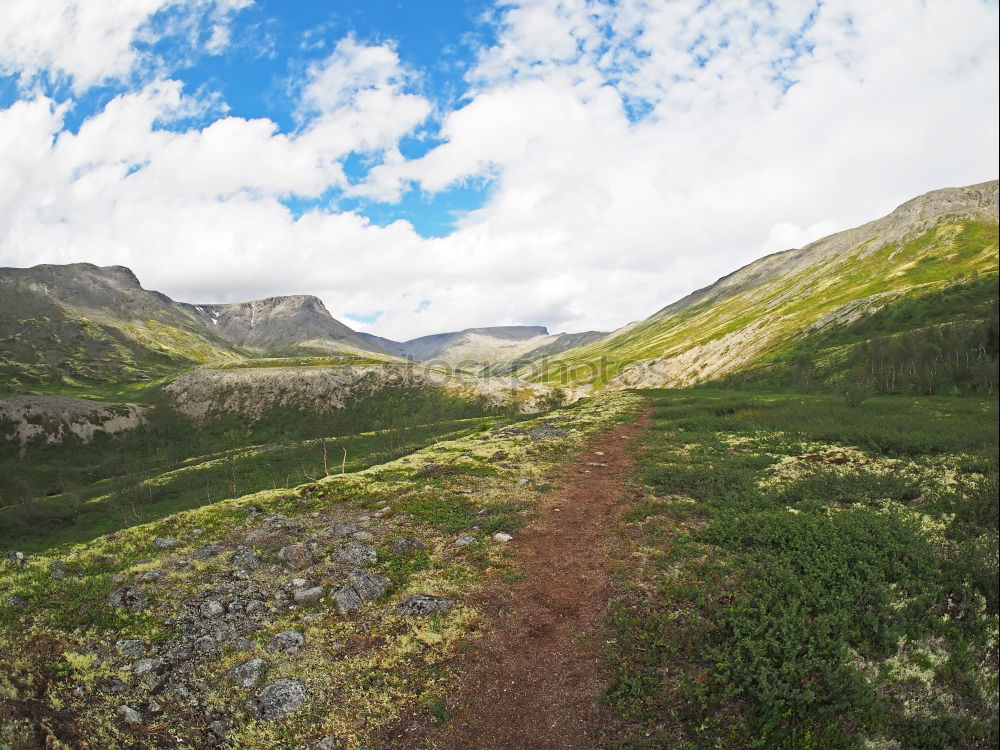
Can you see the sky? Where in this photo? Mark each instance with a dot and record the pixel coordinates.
(432, 165)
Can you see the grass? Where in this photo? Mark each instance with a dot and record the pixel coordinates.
(803, 574)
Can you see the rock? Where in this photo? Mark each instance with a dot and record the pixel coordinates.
(57, 569)
(308, 597)
(254, 606)
(145, 666)
(248, 673)
(281, 698)
(423, 604)
(161, 542)
(244, 558)
(464, 541)
(502, 537)
(131, 648)
(346, 599)
(363, 536)
(18, 558)
(296, 556)
(355, 554)
(497, 457)
(382, 512)
(218, 729)
(154, 706)
(15, 602)
(151, 575)
(297, 584)
(254, 511)
(205, 644)
(545, 431)
(406, 546)
(328, 743)
(208, 550)
(434, 471)
(211, 608)
(287, 641)
(129, 715)
(342, 529)
(367, 585)
(128, 597)
(241, 575)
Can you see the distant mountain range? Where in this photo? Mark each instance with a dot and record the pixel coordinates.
(63, 323)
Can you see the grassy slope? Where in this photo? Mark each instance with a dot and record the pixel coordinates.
(787, 304)
(362, 670)
(803, 574)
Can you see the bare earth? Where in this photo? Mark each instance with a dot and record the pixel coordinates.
(532, 682)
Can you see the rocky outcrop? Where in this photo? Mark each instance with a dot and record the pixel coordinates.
(53, 419)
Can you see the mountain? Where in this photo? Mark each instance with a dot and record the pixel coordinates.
(496, 348)
(282, 326)
(754, 314)
(81, 321)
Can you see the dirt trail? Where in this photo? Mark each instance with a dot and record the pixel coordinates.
(533, 680)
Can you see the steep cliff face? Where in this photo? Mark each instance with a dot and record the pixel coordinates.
(53, 419)
(745, 316)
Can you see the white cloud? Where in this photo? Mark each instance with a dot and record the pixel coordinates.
(766, 126)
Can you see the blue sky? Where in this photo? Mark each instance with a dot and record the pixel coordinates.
(430, 166)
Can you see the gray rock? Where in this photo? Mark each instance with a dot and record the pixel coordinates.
(342, 529)
(502, 537)
(248, 673)
(346, 599)
(208, 550)
(161, 542)
(328, 743)
(57, 569)
(129, 715)
(254, 606)
(287, 641)
(281, 698)
(151, 575)
(210, 609)
(297, 584)
(244, 558)
(363, 536)
(367, 585)
(205, 644)
(308, 597)
(145, 666)
(131, 648)
(15, 602)
(406, 546)
(18, 558)
(464, 541)
(128, 597)
(355, 554)
(545, 431)
(423, 604)
(218, 729)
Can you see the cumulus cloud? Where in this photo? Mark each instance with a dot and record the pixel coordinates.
(636, 150)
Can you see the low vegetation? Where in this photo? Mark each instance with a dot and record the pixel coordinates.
(806, 574)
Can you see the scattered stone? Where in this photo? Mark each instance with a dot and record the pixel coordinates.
(244, 558)
(364, 519)
(296, 556)
(308, 597)
(356, 554)
(406, 546)
(287, 641)
(381, 512)
(218, 729)
(253, 607)
(128, 597)
(363, 536)
(211, 608)
(497, 457)
(18, 558)
(205, 644)
(464, 541)
(367, 585)
(162, 542)
(423, 604)
(15, 602)
(131, 648)
(129, 715)
(435, 471)
(151, 575)
(502, 537)
(346, 599)
(545, 431)
(328, 743)
(296, 584)
(208, 550)
(248, 673)
(598, 453)
(154, 706)
(145, 666)
(255, 511)
(281, 698)
(342, 529)
(57, 569)
(241, 575)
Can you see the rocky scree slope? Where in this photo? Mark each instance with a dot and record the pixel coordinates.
(752, 313)
(307, 617)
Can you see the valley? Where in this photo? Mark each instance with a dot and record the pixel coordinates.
(763, 517)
